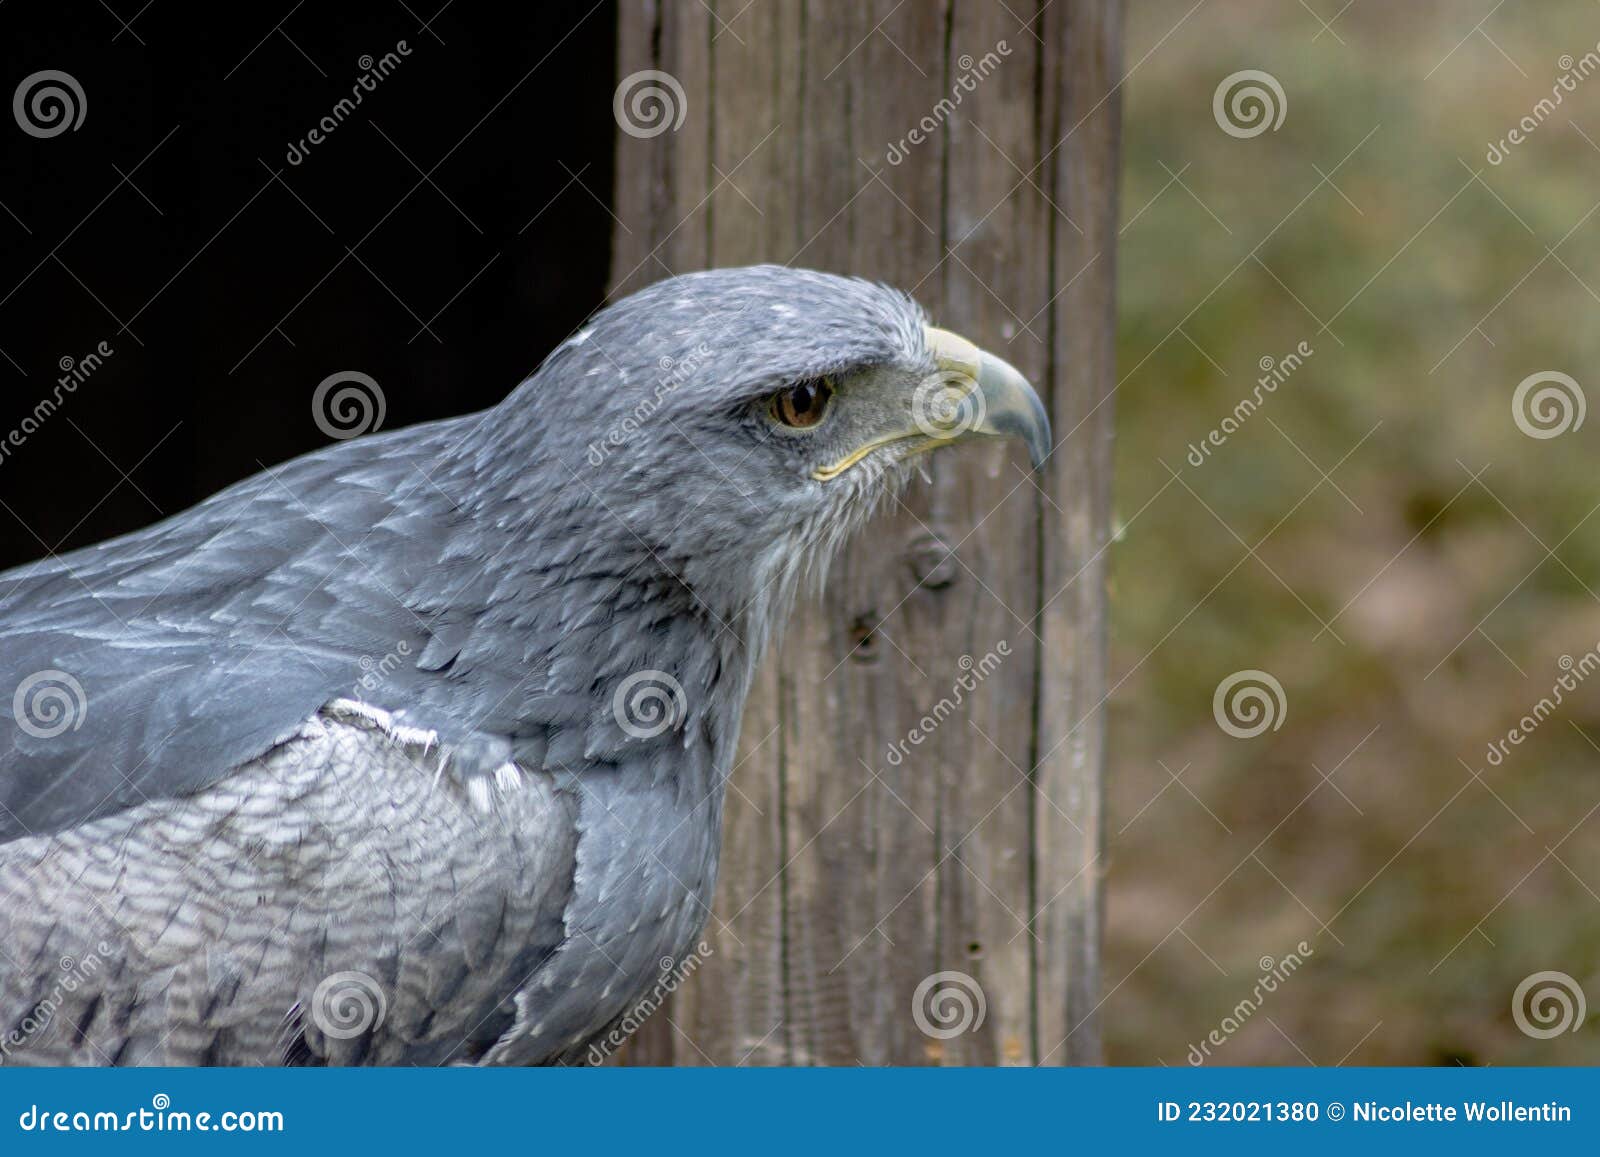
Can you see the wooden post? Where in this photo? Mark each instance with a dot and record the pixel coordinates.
(966, 152)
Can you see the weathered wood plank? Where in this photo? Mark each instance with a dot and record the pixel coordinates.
(997, 284)
(863, 901)
(735, 1014)
(1084, 72)
(659, 202)
(638, 162)
(851, 874)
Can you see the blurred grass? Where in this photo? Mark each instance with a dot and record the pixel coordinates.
(1427, 892)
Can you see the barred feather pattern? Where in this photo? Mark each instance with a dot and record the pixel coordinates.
(345, 852)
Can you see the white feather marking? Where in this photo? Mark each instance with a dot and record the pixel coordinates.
(481, 789)
(408, 736)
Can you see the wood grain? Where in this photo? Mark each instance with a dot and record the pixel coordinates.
(973, 617)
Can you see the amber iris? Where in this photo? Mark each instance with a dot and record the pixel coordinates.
(802, 405)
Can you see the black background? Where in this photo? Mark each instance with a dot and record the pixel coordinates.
(225, 282)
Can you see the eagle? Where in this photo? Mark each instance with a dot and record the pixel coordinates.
(413, 750)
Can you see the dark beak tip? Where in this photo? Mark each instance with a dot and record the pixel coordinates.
(1014, 409)
(1033, 430)
(1037, 457)
(1041, 439)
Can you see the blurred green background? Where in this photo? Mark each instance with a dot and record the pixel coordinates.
(1379, 536)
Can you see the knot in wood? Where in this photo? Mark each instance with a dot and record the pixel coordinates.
(932, 561)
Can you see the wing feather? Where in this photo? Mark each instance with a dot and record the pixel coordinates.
(201, 642)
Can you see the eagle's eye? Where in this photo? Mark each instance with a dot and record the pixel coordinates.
(802, 405)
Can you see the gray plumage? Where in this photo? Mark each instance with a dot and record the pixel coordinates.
(356, 719)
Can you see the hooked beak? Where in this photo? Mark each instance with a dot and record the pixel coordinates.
(971, 394)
